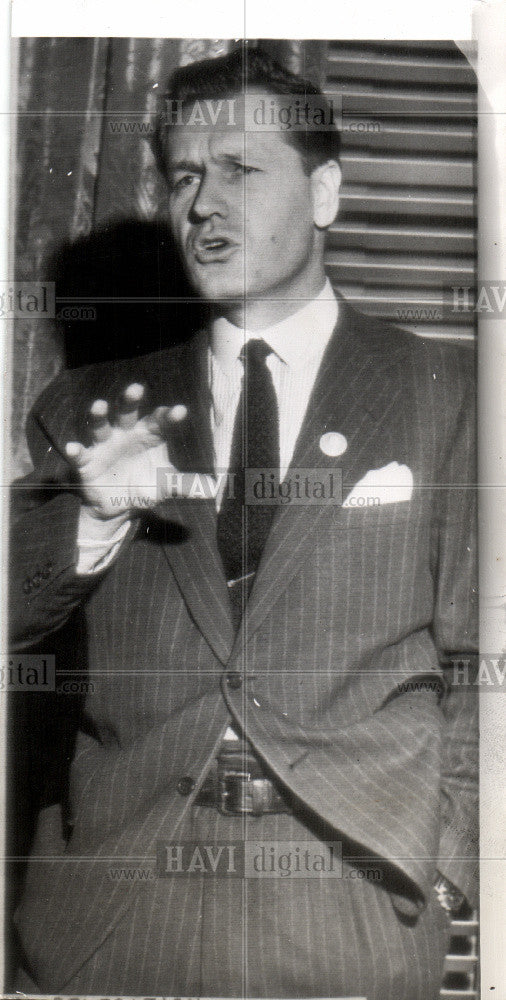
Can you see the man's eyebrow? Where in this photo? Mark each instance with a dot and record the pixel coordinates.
(231, 157)
(242, 156)
(190, 165)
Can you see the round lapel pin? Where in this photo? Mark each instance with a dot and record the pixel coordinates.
(333, 444)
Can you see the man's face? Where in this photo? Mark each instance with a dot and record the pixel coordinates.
(241, 210)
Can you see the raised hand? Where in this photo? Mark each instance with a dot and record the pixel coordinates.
(119, 472)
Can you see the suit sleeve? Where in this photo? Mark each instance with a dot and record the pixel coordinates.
(44, 586)
(456, 637)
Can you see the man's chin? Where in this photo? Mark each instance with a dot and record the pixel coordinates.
(219, 281)
(220, 291)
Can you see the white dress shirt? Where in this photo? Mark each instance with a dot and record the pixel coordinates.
(298, 344)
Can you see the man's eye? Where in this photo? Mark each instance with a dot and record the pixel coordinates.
(182, 182)
(242, 169)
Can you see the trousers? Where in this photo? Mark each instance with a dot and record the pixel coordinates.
(297, 934)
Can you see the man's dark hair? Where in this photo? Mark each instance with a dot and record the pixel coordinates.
(236, 73)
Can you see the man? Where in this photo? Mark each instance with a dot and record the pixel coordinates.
(269, 675)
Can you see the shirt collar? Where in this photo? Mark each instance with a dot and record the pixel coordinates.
(295, 339)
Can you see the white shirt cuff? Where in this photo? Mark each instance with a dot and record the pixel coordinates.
(98, 541)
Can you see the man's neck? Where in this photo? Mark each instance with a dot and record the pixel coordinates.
(259, 314)
(295, 339)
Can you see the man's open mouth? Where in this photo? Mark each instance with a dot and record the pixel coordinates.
(213, 249)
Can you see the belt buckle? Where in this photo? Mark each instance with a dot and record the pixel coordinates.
(235, 784)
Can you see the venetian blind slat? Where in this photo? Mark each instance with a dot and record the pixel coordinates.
(406, 229)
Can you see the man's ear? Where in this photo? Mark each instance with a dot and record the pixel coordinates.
(325, 184)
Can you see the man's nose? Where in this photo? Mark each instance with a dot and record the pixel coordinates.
(210, 200)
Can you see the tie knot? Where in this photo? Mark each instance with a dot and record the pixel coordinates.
(255, 352)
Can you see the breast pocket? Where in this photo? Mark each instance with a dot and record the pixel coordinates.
(374, 516)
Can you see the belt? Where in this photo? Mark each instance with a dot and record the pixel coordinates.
(237, 785)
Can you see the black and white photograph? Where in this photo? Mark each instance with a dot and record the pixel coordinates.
(243, 672)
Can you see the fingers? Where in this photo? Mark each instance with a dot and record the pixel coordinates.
(177, 413)
(130, 401)
(127, 417)
(98, 420)
(163, 415)
(76, 452)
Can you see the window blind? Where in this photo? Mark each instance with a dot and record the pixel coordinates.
(405, 235)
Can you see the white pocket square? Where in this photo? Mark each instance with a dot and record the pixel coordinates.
(391, 484)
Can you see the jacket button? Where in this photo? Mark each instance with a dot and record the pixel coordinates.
(185, 785)
(47, 570)
(234, 680)
(27, 586)
(36, 578)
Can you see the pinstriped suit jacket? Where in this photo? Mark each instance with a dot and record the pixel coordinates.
(348, 608)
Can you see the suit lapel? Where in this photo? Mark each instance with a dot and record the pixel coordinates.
(193, 556)
(350, 396)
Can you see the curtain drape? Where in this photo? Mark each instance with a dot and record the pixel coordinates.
(84, 112)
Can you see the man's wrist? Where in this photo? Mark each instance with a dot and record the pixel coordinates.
(98, 527)
(94, 517)
(98, 540)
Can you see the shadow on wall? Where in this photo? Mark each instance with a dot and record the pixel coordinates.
(121, 292)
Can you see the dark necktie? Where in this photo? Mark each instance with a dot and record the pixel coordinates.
(243, 527)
